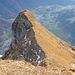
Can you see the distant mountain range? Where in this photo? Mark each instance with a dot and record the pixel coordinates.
(9, 8)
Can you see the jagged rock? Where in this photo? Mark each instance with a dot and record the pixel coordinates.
(24, 45)
(19, 28)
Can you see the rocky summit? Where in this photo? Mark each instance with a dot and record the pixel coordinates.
(24, 46)
(35, 44)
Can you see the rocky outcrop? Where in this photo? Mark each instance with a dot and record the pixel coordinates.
(24, 45)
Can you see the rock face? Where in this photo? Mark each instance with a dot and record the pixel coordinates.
(24, 45)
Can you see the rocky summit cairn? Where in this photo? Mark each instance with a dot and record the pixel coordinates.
(24, 45)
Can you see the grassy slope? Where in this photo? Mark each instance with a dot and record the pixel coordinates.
(53, 46)
(11, 67)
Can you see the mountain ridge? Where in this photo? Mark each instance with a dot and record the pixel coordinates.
(24, 45)
(53, 47)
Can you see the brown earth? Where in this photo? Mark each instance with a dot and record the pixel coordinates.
(12, 67)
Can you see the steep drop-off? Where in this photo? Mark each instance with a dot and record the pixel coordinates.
(33, 43)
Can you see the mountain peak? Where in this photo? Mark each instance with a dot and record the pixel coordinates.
(33, 43)
(24, 45)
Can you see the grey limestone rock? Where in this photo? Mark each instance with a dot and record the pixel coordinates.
(24, 45)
